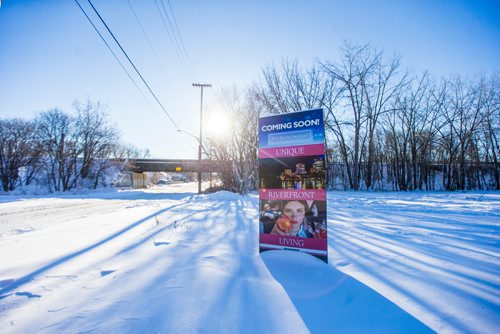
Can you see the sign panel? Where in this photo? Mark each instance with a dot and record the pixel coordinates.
(292, 195)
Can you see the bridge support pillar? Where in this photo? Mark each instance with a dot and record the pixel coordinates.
(139, 180)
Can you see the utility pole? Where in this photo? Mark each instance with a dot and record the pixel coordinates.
(201, 132)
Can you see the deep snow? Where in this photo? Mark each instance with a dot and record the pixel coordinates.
(168, 260)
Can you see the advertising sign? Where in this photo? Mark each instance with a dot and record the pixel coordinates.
(292, 195)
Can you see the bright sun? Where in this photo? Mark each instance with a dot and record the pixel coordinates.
(217, 124)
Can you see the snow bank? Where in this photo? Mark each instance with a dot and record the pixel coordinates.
(168, 260)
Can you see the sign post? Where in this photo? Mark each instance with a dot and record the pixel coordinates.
(292, 195)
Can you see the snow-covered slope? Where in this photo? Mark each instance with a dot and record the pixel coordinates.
(168, 260)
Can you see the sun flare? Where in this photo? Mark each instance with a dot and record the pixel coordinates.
(218, 124)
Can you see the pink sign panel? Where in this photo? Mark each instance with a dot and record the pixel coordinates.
(292, 151)
(317, 244)
(281, 194)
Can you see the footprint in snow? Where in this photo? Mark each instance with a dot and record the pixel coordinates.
(56, 309)
(161, 243)
(343, 263)
(107, 272)
(27, 294)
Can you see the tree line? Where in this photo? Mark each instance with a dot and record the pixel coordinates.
(387, 128)
(61, 150)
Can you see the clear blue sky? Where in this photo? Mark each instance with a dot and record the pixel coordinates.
(50, 55)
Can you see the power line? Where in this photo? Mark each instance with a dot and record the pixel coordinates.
(132, 63)
(172, 28)
(114, 55)
(109, 48)
(178, 32)
(126, 55)
(177, 44)
(147, 38)
(170, 36)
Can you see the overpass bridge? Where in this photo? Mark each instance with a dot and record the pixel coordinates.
(139, 166)
(173, 165)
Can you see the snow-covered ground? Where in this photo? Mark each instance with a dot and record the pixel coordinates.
(168, 260)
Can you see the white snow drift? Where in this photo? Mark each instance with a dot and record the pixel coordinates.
(168, 260)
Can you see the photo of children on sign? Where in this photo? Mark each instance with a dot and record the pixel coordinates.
(292, 173)
(297, 218)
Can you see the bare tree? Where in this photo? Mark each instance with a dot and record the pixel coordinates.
(127, 151)
(56, 133)
(17, 150)
(411, 129)
(491, 126)
(461, 120)
(236, 150)
(67, 150)
(368, 85)
(290, 88)
(379, 120)
(96, 137)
